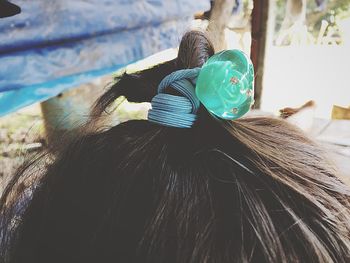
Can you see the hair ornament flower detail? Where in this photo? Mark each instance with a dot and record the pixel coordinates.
(224, 85)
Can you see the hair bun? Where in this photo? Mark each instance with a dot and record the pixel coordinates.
(195, 49)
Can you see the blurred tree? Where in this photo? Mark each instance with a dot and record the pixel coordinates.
(315, 12)
(220, 16)
(293, 27)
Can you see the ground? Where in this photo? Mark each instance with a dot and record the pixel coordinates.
(20, 133)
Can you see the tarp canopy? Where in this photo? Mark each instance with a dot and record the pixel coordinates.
(55, 45)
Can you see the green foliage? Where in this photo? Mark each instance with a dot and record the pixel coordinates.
(338, 8)
(332, 12)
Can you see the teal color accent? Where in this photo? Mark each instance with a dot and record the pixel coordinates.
(225, 85)
(172, 110)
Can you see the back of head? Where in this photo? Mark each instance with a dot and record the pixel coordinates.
(249, 190)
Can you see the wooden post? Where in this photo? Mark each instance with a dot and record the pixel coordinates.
(260, 16)
(219, 18)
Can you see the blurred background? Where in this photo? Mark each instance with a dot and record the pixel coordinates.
(57, 57)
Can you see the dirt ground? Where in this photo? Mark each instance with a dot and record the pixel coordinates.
(20, 133)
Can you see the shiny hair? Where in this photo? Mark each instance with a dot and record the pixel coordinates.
(251, 190)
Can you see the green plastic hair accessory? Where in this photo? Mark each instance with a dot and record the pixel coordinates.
(225, 85)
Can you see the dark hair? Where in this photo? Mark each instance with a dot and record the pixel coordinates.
(250, 190)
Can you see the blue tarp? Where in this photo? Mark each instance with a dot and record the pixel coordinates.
(55, 45)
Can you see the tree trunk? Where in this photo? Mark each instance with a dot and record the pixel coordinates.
(293, 29)
(295, 13)
(219, 18)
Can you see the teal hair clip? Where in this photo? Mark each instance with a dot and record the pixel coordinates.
(225, 85)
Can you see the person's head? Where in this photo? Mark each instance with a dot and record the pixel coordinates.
(249, 190)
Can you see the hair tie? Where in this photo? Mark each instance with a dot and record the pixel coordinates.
(224, 85)
(172, 110)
